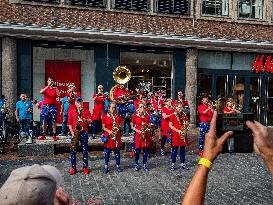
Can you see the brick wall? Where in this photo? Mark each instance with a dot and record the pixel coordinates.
(74, 17)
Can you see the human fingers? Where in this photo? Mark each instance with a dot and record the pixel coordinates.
(212, 130)
(224, 137)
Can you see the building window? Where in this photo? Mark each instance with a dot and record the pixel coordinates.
(89, 3)
(173, 6)
(251, 9)
(45, 1)
(215, 7)
(133, 5)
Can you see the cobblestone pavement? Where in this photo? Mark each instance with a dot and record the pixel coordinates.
(235, 179)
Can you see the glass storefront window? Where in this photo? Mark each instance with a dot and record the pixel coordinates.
(242, 61)
(255, 92)
(215, 7)
(269, 102)
(238, 91)
(251, 9)
(150, 71)
(214, 60)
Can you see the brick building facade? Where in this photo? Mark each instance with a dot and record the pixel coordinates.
(203, 43)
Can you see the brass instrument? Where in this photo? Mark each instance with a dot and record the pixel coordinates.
(216, 104)
(78, 130)
(115, 129)
(184, 130)
(121, 75)
(145, 128)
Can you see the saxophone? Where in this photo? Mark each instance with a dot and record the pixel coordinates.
(115, 129)
(144, 129)
(184, 127)
(77, 132)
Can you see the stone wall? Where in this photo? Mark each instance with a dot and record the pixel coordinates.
(138, 22)
(9, 74)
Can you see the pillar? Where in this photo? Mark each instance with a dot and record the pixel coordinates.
(9, 73)
(191, 82)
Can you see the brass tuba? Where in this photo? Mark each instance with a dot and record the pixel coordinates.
(121, 75)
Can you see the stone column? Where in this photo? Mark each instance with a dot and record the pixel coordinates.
(9, 73)
(191, 82)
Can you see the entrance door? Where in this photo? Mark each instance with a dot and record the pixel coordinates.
(269, 102)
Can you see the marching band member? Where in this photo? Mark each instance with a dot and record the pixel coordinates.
(140, 99)
(178, 124)
(205, 114)
(141, 125)
(180, 99)
(23, 113)
(230, 107)
(49, 109)
(111, 125)
(121, 96)
(167, 110)
(72, 95)
(78, 121)
(98, 110)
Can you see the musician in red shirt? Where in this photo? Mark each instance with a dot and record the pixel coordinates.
(121, 96)
(49, 109)
(111, 125)
(98, 110)
(205, 114)
(166, 111)
(230, 107)
(141, 125)
(180, 98)
(78, 121)
(179, 124)
(72, 95)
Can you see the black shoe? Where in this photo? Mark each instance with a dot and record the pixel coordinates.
(119, 169)
(184, 166)
(172, 168)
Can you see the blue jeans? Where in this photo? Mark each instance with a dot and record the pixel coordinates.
(145, 155)
(107, 152)
(163, 141)
(83, 138)
(96, 126)
(64, 124)
(24, 125)
(181, 154)
(204, 128)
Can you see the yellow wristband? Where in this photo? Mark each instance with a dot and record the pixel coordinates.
(205, 162)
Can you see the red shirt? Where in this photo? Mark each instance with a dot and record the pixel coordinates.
(107, 121)
(176, 138)
(72, 101)
(73, 118)
(138, 123)
(155, 102)
(165, 122)
(98, 109)
(204, 117)
(227, 110)
(50, 96)
(184, 102)
(119, 92)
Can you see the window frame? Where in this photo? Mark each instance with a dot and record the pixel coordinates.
(216, 15)
(113, 3)
(262, 9)
(172, 13)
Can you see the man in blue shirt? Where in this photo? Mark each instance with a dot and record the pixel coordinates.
(64, 113)
(23, 113)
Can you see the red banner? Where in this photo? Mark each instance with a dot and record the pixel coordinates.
(262, 64)
(64, 74)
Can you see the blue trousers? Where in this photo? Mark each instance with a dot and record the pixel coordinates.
(145, 155)
(163, 141)
(83, 138)
(204, 128)
(24, 125)
(107, 152)
(96, 126)
(64, 124)
(181, 154)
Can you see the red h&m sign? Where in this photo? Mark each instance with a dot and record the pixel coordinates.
(259, 65)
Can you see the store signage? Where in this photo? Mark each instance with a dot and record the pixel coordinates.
(262, 64)
(64, 74)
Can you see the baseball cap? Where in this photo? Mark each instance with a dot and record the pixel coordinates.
(31, 185)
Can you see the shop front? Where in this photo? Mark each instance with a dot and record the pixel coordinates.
(223, 74)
